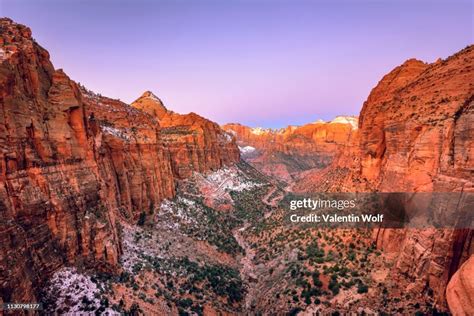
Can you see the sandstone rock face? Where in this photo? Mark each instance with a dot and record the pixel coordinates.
(51, 208)
(421, 138)
(294, 149)
(338, 176)
(151, 104)
(130, 154)
(460, 291)
(415, 134)
(417, 125)
(72, 162)
(194, 143)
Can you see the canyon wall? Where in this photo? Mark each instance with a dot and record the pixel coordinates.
(288, 151)
(72, 162)
(319, 136)
(416, 133)
(460, 291)
(194, 143)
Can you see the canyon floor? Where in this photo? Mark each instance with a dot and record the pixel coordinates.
(221, 246)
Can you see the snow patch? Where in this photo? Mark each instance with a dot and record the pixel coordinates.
(247, 149)
(117, 132)
(152, 96)
(172, 208)
(73, 292)
(137, 245)
(259, 130)
(226, 137)
(353, 121)
(229, 179)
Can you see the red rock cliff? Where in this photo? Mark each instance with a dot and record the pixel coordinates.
(194, 143)
(51, 206)
(415, 135)
(72, 162)
(313, 137)
(288, 151)
(460, 291)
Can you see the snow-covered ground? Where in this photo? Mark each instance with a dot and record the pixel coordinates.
(227, 179)
(246, 150)
(73, 292)
(353, 121)
(232, 132)
(182, 216)
(136, 244)
(117, 132)
(260, 130)
(141, 248)
(180, 210)
(226, 137)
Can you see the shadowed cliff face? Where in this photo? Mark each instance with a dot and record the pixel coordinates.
(72, 162)
(286, 152)
(415, 135)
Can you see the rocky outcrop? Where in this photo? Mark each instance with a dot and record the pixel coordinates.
(460, 291)
(418, 137)
(194, 143)
(72, 162)
(415, 135)
(132, 159)
(313, 137)
(51, 208)
(417, 125)
(288, 151)
(151, 104)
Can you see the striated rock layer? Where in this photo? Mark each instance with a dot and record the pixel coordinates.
(72, 162)
(288, 151)
(460, 291)
(194, 143)
(416, 134)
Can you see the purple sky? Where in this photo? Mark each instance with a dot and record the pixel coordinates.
(258, 62)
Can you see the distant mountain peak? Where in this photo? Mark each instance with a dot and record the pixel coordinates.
(148, 102)
(352, 120)
(151, 95)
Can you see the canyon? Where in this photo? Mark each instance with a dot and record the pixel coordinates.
(114, 207)
(415, 134)
(72, 162)
(286, 152)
